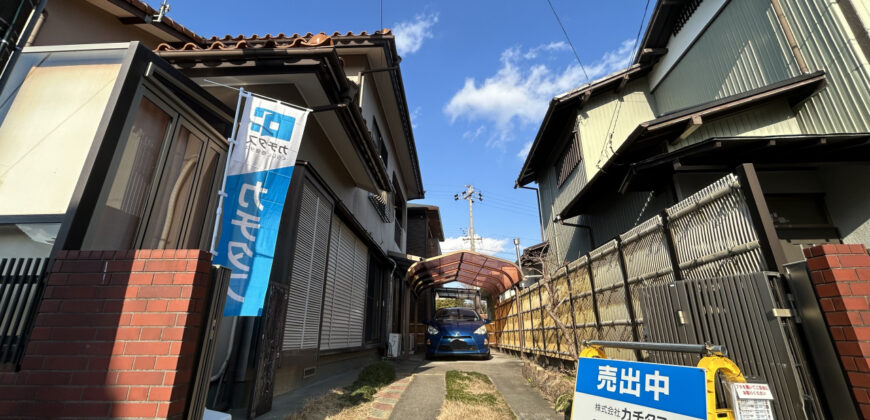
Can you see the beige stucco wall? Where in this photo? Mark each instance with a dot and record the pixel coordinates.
(79, 22)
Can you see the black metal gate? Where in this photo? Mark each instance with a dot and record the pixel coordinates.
(21, 284)
(751, 316)
(270, 341)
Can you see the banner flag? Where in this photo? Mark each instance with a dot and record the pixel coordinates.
(257, 179)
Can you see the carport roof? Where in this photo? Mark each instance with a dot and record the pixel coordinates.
(492, 274)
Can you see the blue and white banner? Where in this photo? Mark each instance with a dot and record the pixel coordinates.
(615, 389)
(257, 179)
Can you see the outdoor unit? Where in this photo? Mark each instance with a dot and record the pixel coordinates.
(393, 346)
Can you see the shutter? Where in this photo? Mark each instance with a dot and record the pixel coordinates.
(308, 270)
(344, 299)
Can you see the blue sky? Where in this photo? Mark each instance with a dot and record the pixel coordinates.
(478, 77)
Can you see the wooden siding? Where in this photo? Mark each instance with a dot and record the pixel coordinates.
(743, 49)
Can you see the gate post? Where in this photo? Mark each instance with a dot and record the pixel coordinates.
(629, 303)
(573, 318)
(669, 243)
(771, 248)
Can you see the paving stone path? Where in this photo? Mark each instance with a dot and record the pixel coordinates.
(387, 398)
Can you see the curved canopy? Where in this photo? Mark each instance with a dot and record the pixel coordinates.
(494, 275)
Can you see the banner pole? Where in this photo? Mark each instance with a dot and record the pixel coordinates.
(222, 193)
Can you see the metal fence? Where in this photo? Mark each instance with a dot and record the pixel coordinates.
(747, 314)
(21, 284)
(709, 234)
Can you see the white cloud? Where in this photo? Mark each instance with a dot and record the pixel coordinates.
(518, 93)
(415, 115)
(489, 246)
(411, 34)
(524, 152)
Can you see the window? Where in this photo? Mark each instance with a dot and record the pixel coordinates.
(686, 12)
(379, 141)
(50, 109)
(399, 211)
(29, 240)
(379, 202)
(164, 182)
(569, 159)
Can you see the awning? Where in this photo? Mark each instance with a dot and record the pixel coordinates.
(649, 136)
(492, 274)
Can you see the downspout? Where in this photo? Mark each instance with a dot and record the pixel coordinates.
(389, 323)
(789, 36)
(538, 199)
(588, 228)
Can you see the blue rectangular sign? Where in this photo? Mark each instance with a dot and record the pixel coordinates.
(617, 389)
(258, 176)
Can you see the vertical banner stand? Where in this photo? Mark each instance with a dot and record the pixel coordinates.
(222, 193)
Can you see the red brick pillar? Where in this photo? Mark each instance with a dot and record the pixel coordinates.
(117, 335)
(841, 275)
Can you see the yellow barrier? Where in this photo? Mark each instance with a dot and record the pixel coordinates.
(712, 365)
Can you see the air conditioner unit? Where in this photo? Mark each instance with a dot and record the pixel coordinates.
(393, 346)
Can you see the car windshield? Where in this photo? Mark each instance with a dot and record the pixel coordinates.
(456, 314)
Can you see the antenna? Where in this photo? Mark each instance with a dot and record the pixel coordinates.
(164, 8)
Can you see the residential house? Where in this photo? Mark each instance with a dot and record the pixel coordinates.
(425, 235)
(115, 117)
(782, 85)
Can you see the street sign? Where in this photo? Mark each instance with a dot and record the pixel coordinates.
(615, 389)
(751, 401)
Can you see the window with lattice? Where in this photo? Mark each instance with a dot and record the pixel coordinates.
(379, 202)
(685, 13)
(570, 159)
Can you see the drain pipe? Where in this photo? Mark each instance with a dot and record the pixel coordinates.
(789, 36)
(389, 323)
(588, 228)
(538, 199)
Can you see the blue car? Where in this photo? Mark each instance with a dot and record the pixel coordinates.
(457, 332)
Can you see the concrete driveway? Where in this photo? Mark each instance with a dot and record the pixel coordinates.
(425, 395)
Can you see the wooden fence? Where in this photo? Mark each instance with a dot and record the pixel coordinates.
(709, 234)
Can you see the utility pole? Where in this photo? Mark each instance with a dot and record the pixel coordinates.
(469, 195)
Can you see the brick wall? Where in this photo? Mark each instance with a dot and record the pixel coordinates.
(841, 276)
(117, 335)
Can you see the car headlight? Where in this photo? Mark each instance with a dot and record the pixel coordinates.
(481, 330)
(432, 330)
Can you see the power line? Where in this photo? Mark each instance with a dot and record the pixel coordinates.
(569, 40)
(615, 116)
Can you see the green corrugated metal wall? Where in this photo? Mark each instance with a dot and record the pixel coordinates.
(596, 120)
(775, 118)
(743, 49)
(825, 40)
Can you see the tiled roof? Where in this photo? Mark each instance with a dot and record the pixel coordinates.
(281, 40)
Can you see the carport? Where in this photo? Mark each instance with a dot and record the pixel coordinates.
(494, 275)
